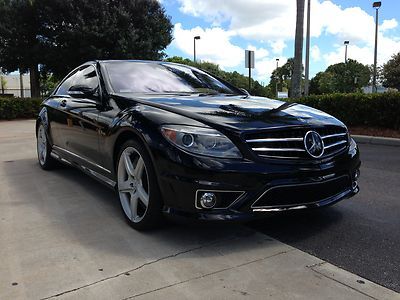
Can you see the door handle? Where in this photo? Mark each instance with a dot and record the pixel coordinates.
(63, 103)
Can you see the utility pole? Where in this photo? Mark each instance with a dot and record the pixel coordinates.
(21, 84)
(376, 5)
(276, 79)
(249, 63)
(307, 71)
(194, 47)
(295, 91)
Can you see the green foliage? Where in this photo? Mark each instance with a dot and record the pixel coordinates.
(391, 72)
(48, 82)
(356, 109)
(347, 77)
(61, 34)
(233, 78)
(281, 77)
(19, 108)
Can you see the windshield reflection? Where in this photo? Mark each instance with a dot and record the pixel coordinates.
(160, 78)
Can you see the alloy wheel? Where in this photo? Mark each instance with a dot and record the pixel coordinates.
(42, 145)
(133, 184)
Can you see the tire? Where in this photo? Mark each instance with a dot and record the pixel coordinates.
(137, 187)
(43, 148)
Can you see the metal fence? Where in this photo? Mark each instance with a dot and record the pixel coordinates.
(15, 92)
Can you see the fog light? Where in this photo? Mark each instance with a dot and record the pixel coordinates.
(357, 174)
(354, 185)
(208, 200)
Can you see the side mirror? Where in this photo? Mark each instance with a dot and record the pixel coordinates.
(81, 91)
(244, 91)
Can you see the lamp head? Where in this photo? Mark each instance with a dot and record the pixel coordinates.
(197, 37)
(346, 42)
(377, 4)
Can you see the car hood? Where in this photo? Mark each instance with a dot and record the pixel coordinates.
(240, 113)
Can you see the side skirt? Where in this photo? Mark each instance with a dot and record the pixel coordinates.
(104, 180)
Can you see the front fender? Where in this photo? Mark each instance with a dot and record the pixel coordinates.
(43, 118)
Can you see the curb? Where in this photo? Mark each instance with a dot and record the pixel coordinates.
(376, 140)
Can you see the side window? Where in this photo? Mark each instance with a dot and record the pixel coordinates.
(64, 87)
(86, 76)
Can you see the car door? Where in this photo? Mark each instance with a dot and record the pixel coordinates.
(79, 127)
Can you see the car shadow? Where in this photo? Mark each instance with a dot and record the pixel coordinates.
(294, 226)
(76, 208)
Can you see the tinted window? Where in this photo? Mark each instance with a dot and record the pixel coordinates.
(140, 77)
(86, 76)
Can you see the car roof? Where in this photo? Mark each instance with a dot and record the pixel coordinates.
(136, 60)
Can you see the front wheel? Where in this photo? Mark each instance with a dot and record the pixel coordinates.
(46, 162)
(138, 189)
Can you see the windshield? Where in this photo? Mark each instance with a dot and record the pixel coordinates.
(142, 77)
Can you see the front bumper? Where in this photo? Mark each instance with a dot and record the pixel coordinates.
(182, 177)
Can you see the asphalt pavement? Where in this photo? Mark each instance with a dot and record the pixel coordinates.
(360, 234)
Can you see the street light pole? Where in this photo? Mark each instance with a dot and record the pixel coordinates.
(376, 5)
(307, 70)
(194, 47)
(346, 43)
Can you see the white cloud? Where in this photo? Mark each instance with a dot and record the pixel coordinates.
(265, 67)
(214, 45)
(259, 53)
(389, 24)
(315, 53)
(364, 54)
(272, 23)
(278, 46)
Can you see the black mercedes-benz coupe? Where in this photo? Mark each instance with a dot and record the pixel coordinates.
(175, 140)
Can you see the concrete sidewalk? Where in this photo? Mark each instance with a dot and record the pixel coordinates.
(62, 236)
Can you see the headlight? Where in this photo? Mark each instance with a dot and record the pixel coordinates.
(199, 140)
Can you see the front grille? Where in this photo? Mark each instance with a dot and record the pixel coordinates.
(289, 143)
(302, 194)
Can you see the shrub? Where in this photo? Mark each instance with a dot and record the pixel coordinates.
(19, 108)
(374, 110)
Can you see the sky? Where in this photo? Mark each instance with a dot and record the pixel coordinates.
(229, 27)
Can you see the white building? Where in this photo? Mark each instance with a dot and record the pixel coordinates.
(11, 85)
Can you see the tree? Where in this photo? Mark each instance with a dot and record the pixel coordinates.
(347, 77)
(298, 51)
(391, 72)
(233, 78)
(19, 43)
(282, 76)
(61, 34)
(3, 84)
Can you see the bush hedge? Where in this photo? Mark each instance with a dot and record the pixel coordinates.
(19, 108)
(373, 110)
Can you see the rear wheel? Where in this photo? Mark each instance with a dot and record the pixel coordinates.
(46, 162)
(138, 190)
